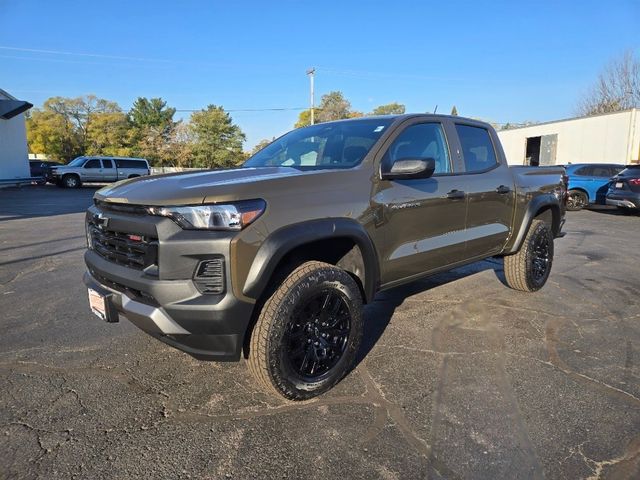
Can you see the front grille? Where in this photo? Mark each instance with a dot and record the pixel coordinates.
(127, 249)
(121, 207)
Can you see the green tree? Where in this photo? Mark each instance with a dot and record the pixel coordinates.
(79, 112)
(49, 133)
(454, 111)
(333, 106)
(260, 145)
(151, 113)
(217, 141)
(152, 129)
(109, 134)
(304, 119)
(179, 148)
(61, 128)
(394, 108)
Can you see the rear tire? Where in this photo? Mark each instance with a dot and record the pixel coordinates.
(577, 200)
(528, 270)
(308, 332)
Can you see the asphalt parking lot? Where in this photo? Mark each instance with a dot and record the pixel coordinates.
(460, 377)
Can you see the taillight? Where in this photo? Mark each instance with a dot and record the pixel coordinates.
(634, 181)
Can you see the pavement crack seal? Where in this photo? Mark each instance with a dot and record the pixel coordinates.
(552, 341)
(622, 466)
(393, 411)
(197, 416)
(39, 432)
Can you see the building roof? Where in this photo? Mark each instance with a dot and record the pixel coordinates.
(568, 119)
(11, 106)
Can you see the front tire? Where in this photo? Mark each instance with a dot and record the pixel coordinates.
(577, 200)
(529, 269)
(308, 332)
(71, 181)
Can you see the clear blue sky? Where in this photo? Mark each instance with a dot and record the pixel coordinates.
(500, 60)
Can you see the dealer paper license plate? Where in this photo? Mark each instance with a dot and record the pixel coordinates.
(96, 302)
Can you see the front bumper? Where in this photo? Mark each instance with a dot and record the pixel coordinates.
(212, 331)
(163, 300)
(624, 199)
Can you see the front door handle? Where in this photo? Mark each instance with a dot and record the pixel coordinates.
(455, 194)
(502, 189)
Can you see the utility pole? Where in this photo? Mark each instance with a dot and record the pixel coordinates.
(311, 72)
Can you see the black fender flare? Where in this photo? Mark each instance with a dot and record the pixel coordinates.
(285, 239)
(535, 205)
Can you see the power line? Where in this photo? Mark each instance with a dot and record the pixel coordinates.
(248, 109)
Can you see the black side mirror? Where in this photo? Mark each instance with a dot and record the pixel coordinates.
(406, 168)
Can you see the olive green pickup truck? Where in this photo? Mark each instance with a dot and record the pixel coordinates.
(273, 261)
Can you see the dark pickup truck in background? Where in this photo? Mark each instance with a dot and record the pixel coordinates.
(274, 261)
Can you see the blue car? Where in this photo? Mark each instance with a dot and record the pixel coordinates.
(589, 182)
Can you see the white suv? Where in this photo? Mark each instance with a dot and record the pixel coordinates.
(99, 169)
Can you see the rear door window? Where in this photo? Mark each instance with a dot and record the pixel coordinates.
(584, 172)
(477, 148)
(107, 163)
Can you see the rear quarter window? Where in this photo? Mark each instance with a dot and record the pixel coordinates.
(601, 171)
(121, 163)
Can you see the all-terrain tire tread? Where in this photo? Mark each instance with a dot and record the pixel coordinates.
(515, 266)
(258, 357)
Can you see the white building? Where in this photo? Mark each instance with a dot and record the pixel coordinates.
(14, 163)
(608, 138)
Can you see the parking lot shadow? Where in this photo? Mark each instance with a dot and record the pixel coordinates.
(609, 210)
(44, 201)
(378, 313)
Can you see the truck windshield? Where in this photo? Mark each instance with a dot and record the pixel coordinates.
(77, 162)
(326, 145)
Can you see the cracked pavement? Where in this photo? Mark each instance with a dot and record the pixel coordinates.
(459, 376)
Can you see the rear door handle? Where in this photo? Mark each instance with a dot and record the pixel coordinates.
(503, 189)
(455, 194)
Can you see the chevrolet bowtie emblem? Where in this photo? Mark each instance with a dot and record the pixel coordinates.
(101, 221)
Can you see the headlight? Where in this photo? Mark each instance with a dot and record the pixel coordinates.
(230, 216)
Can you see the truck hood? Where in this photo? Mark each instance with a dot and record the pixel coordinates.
(196, 187)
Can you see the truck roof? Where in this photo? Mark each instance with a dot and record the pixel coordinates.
(406, 116)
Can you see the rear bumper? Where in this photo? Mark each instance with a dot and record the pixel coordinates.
(624, 199)
(207, 327)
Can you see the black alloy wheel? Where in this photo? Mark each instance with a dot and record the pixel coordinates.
(529, 268)
(308, 332)
(540, 258)
(317, 336)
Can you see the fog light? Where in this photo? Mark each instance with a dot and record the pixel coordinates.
(209, 276)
